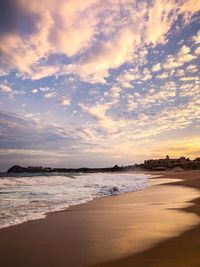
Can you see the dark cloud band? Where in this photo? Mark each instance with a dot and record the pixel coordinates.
(15, 18)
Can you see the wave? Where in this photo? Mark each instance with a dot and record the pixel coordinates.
(24, 198)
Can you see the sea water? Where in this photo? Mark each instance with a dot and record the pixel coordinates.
(25, 197)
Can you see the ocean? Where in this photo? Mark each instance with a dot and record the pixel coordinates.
(25, 197)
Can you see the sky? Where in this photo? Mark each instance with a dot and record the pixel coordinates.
(98, 82)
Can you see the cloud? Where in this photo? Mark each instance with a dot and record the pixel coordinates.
(183, 56)
(140, 53)
(162, 13)
(34, 91)
(56, 29)
(5, 88)
(29, 132)
(45, 89)
(146, 75)
(189, 89)
(145, 109)
(115, 93)
(108, 124)
(95, 38)
(190, 7)
(192, 68)
(179, 73)
(2, 72)
(108, 55)
(125, 78)
(197, 51)
(128, 77)
(156, 67)
(49, 95)
(11, 12)
(171, 62)
(165, 93)
(39, 72)
(196, 38)
(164, 75)
(65, 102)
(189, 79)
(27, 140)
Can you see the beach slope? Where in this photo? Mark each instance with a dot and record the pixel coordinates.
(158, 226)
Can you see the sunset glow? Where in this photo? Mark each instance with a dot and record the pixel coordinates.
(97, 83)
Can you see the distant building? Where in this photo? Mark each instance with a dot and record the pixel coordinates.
(169, 163)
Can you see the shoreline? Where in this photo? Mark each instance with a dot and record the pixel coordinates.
(43, 214)
(66, 232)
(178, 251)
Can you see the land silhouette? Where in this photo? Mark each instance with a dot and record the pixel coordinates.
(167, 163)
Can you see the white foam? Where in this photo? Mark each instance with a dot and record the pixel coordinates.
(29, 198)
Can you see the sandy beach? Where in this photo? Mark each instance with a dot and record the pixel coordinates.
(159, 226)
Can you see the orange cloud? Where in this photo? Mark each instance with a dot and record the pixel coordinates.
(93, 33)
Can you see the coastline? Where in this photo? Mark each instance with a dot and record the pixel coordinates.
(179, 251)
(72, 237)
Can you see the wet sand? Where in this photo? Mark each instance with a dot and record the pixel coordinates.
(159, 226)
